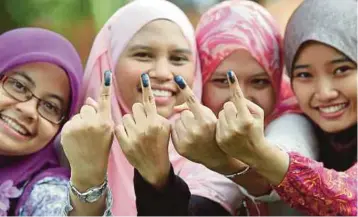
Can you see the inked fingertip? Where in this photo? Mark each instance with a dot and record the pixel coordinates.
(145, 79)
(180, 81)
(107, 78)
(230, 74)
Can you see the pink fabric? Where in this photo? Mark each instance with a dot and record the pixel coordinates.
(327, 192)
(241, 24)
(107, 47)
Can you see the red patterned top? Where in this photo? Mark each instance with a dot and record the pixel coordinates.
(310, 187)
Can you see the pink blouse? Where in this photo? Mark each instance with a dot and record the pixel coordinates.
(310, 187)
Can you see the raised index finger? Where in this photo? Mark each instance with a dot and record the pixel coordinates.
(105, 97)
(189, 96)
(237, 95)
(147, 94)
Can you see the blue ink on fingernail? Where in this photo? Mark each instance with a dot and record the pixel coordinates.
(145, 79)
(107, 78)
(180, 81)
(231, 76)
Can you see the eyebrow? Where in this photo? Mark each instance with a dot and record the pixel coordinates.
(335, 61)
(26, 77)
(55, 97)
(144, 47)
(222, 73)
(341, 60)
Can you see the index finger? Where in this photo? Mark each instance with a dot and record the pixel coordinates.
(147, 94)
(237, 95)
(189, 96)
(105, 97)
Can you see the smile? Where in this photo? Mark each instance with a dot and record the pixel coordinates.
(333, 108)
(15, 126)
(162, 93)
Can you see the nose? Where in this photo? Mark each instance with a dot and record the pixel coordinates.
(28, 109)
(161, 70)
(325, 91)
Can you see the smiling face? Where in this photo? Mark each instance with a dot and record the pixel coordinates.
(254, 82)
(160, 48)
(22, 129)
(325, 83)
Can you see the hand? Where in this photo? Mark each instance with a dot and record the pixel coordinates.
(193, 134)
(144, 138)
(240, 129)
(87, 139)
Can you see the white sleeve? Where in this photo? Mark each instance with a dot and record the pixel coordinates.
(293, 132)
(290, 132)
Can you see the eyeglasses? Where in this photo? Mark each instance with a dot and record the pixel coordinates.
(46, 109)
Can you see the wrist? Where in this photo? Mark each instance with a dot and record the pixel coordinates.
(230, 166)
(84, 183)
(158, 178)
(271, 162)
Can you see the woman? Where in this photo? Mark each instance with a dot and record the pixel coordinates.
(239, 36)
(159, 41)
(40, 77)
(321, 59)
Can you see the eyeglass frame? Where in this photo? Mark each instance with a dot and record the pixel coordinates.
(4, 78)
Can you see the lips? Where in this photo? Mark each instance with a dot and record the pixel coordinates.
(14, 125)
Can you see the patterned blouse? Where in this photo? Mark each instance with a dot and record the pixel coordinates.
(50, 197)
(310, 187)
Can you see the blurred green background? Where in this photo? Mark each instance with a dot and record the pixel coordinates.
(80, 20)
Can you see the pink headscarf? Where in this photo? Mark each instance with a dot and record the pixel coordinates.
(241, 24)
(107, 48)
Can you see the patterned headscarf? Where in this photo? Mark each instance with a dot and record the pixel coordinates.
(241, 24)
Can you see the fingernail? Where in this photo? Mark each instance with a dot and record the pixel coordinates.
(107, 78)
(231, 76)
(145, 79)
(180, 81)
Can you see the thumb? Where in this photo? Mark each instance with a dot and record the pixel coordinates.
(180, 108)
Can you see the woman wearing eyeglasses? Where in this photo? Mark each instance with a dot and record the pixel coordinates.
(39, 81)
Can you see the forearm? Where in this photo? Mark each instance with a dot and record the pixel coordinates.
(319, 191)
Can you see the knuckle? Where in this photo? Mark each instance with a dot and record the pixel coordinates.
(136, 106)
(191, 98)
(208, 125)
(247, 124)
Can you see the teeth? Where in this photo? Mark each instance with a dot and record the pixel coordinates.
(333, 109)
(162, 93)
(14, 125)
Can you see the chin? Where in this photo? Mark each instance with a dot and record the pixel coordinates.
(165, 112)
(335, 127)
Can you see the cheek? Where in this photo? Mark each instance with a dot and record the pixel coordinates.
(5, 100)
(265, 99)
(303, 94)
(46, 132)
(214, 98)
(127, 75)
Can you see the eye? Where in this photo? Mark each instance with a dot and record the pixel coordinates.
(143, 55)
(260, 82)
(302, 75)
(17, 86)
(178, 60)
(342, 70)
(50, 108)
(223, 82)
